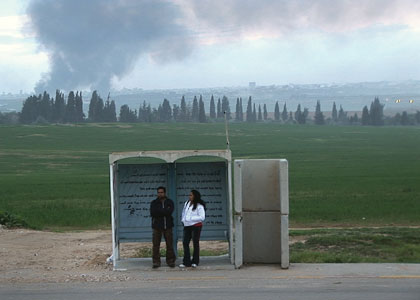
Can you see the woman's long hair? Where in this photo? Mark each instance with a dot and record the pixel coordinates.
(197, 199)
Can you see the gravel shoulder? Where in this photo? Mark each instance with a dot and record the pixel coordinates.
(30, 256)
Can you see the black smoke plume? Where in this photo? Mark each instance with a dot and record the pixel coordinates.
(91, 41)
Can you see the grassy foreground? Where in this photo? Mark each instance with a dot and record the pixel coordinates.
(351, 245)
(56, 176)
(373, 245)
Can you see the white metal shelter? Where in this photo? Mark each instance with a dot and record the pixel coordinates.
(132, 188)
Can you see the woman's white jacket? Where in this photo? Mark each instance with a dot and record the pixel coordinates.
(190, 216)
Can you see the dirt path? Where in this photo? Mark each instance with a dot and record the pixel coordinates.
(42, 256)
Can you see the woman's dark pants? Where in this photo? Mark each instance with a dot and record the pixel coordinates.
(194, 233)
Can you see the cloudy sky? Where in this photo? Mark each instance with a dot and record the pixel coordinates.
(153, 44)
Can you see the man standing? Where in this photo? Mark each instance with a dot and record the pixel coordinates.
(162, 223)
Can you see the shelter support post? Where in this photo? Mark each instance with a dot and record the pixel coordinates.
(284, 210)
(237, 216)
(230, 210)
(113, 186)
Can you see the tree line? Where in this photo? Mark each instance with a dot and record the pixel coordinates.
(45, 109)
(61, 109)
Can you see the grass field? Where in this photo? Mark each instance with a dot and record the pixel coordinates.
(356, 245)
(56, 176)
(337, 245)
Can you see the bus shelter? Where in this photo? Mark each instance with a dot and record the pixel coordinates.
(133, 186)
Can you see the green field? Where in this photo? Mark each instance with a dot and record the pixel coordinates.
(56, 176)
(356, 245)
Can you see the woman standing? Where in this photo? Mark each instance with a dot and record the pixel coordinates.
(193, 216)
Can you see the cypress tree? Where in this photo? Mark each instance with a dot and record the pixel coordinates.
(284, 113)
(194, 114)
(113, 112)
(277, 112)
(45, 108)
(226, 107)
(29, 111)
(239, 114)
(219, 109)
(99, 110)
(159, 114)
(237, 118)
(241, 110)
(212, 108)
(79, 108)
(71, 108)
(109, 113)
(249, 110)
(265, 113)
(298, 114)
(127, 115)
(175, 112)
(376, 113)
(201, 111)
(59, 107)
(259, 113)
(166, 114)
(334, 115)
(404, 119)
(92, 106)
(319, 116)
(397, 119)
(365, 116)
(106, 114)
(142, 112)
(290, 118)
(183, 114)
(354, 119)
(305, 115)
(342, 116)
(149, 114)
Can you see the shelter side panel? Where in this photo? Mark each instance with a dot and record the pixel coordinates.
(210, 180)
(137, 186)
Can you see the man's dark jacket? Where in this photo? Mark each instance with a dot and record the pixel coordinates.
(161, 213)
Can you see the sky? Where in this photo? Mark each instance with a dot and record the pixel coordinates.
(165, 44)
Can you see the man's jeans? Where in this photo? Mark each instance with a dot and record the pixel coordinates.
(157, 237)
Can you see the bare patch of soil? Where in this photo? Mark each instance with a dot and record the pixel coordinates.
(41, 256)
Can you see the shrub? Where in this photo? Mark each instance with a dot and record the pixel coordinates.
(11, 221)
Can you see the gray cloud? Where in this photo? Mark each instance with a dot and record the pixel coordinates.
(285, 16)
(90, 42)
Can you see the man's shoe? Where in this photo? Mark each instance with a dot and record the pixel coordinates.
(171, 265)
(182, 266)
(155, 266)
(194, 265)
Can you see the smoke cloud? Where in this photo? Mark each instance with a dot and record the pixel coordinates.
(90, 42)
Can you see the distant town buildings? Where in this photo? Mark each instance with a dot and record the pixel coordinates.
(352, 96)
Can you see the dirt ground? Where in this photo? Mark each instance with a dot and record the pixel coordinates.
(40, 256)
